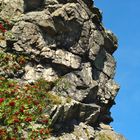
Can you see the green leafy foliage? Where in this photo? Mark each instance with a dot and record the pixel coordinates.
(21, 107)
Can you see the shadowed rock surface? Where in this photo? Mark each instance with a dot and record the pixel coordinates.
(65, 40)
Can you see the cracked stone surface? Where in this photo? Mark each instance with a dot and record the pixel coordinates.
(65, 39)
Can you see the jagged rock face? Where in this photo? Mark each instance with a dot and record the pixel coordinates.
(65, 39)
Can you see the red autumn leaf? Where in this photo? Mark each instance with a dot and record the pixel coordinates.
(1, 100)
(28, 119)
(12, 103)
(16, 120)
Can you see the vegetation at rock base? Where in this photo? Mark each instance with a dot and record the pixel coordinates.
(21, 107)
(5, 25)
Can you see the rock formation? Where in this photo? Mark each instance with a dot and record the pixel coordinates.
(65, 41)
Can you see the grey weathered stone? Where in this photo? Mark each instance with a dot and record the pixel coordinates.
(79, 85)
(110, 42)
(12, 10)
(36, 72)
(66, 43)
(66, 58)
(108, 135)
(42, 19)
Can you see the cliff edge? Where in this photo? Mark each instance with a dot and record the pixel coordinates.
(62, 43)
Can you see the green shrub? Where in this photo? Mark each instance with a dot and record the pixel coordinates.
(21, 106)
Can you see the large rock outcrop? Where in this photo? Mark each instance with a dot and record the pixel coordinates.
(65, 40)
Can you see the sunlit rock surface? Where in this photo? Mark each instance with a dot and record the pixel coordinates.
(65, 40)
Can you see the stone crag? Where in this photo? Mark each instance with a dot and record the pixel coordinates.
(65, 40)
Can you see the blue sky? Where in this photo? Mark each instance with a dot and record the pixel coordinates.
(123, 18)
